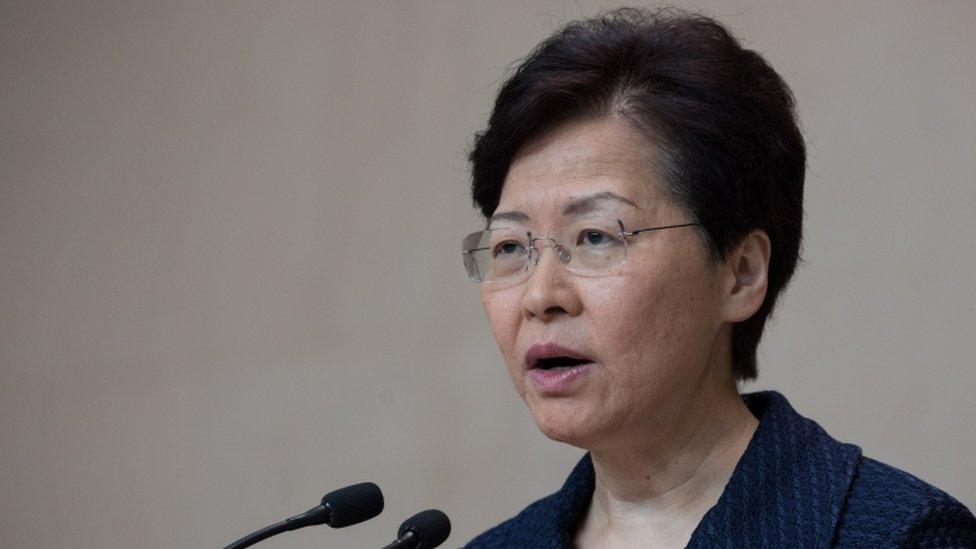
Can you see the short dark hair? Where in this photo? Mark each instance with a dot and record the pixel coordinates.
(722, 121)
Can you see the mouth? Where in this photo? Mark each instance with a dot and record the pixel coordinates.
(553, 357)
(559, 363)
(556, 371)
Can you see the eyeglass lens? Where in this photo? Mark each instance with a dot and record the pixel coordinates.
(501, 254)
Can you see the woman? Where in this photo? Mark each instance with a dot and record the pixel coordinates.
(642, 178)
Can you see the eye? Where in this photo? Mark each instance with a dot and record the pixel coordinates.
(594, 238)
(507, 248)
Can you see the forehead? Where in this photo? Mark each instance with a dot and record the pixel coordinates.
(578, 158)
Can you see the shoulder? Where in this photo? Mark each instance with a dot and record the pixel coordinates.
(797, 482)
(889, 507)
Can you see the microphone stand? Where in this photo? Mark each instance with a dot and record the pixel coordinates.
(315, 515)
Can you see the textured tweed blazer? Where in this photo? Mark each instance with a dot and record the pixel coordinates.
(794, 486)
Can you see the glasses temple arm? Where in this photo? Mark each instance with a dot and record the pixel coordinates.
(648, 229)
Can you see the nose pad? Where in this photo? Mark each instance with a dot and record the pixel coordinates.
(562, 254)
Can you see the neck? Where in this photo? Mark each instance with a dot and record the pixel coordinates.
(657, 485)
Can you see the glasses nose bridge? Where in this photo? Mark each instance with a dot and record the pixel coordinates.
(562, 254)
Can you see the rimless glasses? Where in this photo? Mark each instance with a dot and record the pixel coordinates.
(507, 255)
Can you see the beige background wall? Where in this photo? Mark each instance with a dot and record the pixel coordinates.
(229, 270)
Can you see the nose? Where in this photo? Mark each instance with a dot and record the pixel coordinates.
(550, 291)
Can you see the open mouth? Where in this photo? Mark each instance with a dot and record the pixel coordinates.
(555, 369)
(557, 363)
(552, 357)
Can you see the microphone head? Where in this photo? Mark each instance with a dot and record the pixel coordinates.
(353, 504)
(431, 528)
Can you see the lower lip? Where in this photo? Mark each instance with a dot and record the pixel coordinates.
(558, 380)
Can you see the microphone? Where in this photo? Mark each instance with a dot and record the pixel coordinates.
(425, 530)
(342, 507)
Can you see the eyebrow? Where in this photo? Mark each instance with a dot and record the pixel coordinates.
(579, 206)
(588, 203)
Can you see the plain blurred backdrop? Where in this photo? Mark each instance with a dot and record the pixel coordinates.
(230, 277)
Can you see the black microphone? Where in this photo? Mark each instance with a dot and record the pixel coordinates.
(425, 530)
(342, 507)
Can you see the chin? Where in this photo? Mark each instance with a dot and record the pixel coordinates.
(564, 425)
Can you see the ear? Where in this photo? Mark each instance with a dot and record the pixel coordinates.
(746, 277)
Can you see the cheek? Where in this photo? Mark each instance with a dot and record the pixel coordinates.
(626, 315)
(502, 308)
(648, 321)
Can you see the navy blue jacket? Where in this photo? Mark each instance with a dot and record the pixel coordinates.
(794, 486)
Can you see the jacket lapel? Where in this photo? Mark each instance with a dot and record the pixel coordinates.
(569, 505)
(789, 487)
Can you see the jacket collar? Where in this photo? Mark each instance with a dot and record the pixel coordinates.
(788, 489)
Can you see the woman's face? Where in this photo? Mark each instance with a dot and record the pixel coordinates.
(641, 339)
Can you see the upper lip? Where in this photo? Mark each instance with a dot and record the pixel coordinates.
(550, 350)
